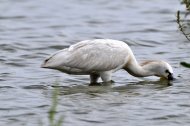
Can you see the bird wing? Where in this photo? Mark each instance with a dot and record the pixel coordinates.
(94, 55)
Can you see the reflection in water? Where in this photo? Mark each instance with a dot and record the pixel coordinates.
(113, 87)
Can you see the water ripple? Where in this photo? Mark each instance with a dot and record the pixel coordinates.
(31, 30)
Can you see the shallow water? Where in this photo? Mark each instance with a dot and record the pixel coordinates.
(31, 30)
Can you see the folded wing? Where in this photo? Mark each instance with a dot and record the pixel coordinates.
(92, 55)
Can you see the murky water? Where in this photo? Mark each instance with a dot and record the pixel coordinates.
(31, 30)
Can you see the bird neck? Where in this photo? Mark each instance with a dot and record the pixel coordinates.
(133, 68)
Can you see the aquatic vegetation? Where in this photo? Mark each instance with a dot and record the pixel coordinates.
(184, 25)
(185, 64)
(53, 109)
(183, 22)
(53, 121)
(187, 3)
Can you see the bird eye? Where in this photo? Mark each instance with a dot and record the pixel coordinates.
(167, 71)
(46, 60)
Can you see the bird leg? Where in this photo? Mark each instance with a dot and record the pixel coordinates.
(94, 78)
(106, 76)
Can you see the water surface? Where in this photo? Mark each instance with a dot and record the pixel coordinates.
(31, 30)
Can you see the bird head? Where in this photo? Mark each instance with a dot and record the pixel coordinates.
(161, 69)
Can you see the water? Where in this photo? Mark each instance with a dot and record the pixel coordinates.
(31, 30)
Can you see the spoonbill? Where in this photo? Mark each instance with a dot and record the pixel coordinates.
(101, 58)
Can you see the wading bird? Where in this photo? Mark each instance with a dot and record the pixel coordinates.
(101, 58)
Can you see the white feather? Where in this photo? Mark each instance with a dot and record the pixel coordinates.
(96, 55)
(101, 57)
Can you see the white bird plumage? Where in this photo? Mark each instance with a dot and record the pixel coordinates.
(102, 57)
